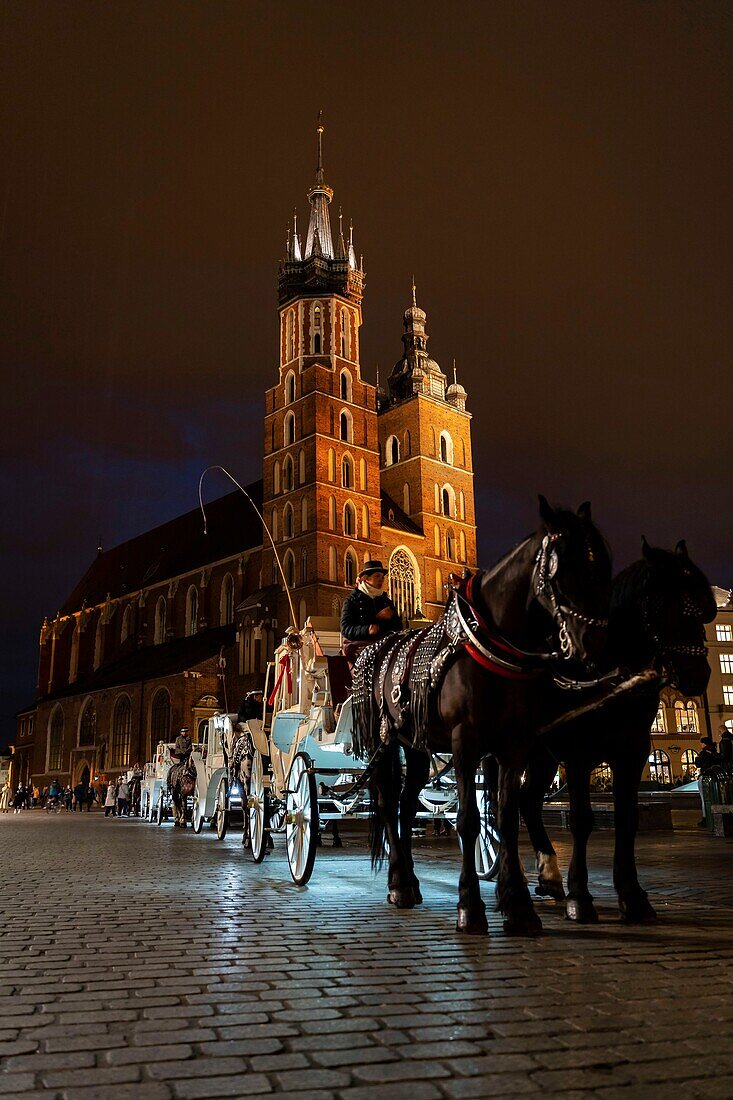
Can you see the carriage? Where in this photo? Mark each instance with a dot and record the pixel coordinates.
(153, 787)
(304, 772)
(219, 793)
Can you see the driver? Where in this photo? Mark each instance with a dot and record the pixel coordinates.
(183, 745)
(368, 613)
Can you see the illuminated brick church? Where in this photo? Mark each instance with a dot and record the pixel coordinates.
(174, 624)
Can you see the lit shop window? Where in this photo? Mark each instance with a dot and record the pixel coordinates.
(723, 632)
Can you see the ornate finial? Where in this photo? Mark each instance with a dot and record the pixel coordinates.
(377, 375)
(414, 292)
(295, 221)
(319, 131)
(455, 375)
(341, 221)
(351, 233)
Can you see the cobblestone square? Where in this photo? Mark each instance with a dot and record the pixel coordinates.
(146, 963)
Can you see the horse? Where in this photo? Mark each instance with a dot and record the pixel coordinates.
(181, 783)
(476, 683)
(659, 606)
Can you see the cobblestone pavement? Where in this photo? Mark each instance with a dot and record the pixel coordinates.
(143, 963)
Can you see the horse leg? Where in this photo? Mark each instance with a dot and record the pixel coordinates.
(386, 787)
(632, 900)
(515, 904)
(580, 907)
(418, 770)
(471, 908)
(537, 779)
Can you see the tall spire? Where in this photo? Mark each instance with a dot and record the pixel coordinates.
(319, 196)
(296, 238)
(414, 292)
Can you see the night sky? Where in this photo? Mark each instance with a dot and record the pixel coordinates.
(556, 176)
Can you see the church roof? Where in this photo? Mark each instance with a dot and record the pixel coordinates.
(393, 516)
(176, 547)
(152, 662)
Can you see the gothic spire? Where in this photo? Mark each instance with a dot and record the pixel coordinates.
(296, 238)
(319, 197)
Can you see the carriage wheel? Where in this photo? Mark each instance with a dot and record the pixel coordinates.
(221, 814)
(301, 819)
(197, 811)
(487, 841)
(257, 809)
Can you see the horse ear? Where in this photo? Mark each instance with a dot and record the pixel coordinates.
(584, 511)
(547, 512)
(646, 548)
(681, 549)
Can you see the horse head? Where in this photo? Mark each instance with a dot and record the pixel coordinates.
(675, 601)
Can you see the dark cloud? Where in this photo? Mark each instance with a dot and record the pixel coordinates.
(556, 177)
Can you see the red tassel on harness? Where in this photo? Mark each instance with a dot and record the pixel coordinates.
(285, 670)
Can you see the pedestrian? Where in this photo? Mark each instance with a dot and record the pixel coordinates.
(110, 801)
(36, 795)
(68, 798)
(123, 796)
(80, 797)
(19, 800)
(45, 794)
(706, 759)
(91, 797)
(726, 747)
(6, 797)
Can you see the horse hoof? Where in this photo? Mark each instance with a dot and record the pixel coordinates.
(524, 925)
(550, 889)
(401, 899)
(581, 910)
(472, 926)
(417, 894)
(639, 911)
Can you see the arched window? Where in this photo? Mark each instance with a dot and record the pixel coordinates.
(316, 328)
(345, 388)
(289, 429)
(392, 450)
(437, 499)
(126, 630)
(685, 713)
(364, 522)
(346, 426)
(288, 521)
(276, 476)
(461, 546)
(332, 564)
(290, 387)
(407, 441)
(436, 541)
(660, 769)
(406, 499)
(660, 722)
(461, 505)
(331, 464)
(301, 467)
(288, 474)
(289, 569)
(446, 448)
(160, 610)
(304, 514)
(121, 725)
(404, 582)
(687, 760)
(160, 717)
(226, 601)
(74, 656)
(362, 474)
(439, 593)
(192, 611)
(98, 643)
(349, 519)
(303, 568)
(336, 607)
(332, 513)
(448, 500)
(347, 472)
(345, 340)
(88, 724)
(351, 568)
(450, 545)
(56, 740)
(274, 526)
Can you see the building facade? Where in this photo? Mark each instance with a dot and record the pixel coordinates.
(177, 623)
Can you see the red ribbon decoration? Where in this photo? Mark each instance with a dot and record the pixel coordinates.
(285, 670)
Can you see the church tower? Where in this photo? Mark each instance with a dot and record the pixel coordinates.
(321, 467)
(426, 463)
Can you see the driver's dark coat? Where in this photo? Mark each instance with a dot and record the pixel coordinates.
(360, 612)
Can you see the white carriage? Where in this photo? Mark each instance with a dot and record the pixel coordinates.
(304, 773)
(218, 795)
(154, 785)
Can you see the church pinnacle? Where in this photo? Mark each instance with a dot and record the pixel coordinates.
(319, 196)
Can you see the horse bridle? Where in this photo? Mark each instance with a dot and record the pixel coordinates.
(547, 594)
(690, 610)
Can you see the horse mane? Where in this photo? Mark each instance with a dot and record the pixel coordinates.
(628, 587)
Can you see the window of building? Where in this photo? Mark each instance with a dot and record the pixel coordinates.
(392, 450)
(448, 500)
(332, 564)
(406, 499)
(316, 329)
(289, 429)
(301, 467)
(276, 477)
(160, 615)
(226, 601)
(723, 632)
(687, 760)
(351, 568)
(450, 546)
(289, 569)
(437, 498)
(660, 769)
(331, 464)
(446, 448)
(436, 541)
(461, 546)
(728, 695)
(288, 480)
(160, 717)
(288, 521)
(332, 513)
(685, 713)
(121, 726)
(346, 426)
(349, 519)
(304, 514)
(461, 505)
(192, 611)
(726, 663)
(362, 474)
(439, 594)
(88, 724)
(404, 580)
(407, 440)
(364, 522)
(659, 724)
(56, 740)
(345, 386)
(347, 472)
(290, 386)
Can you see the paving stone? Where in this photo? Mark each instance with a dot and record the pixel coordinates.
(240, 1085)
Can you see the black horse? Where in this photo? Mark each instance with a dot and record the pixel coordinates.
(659, 606)
(482, 688)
